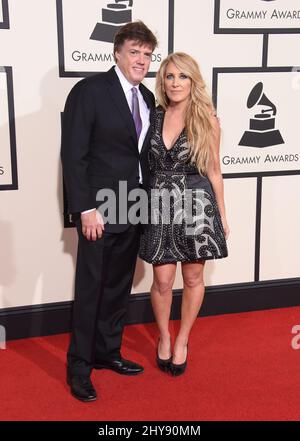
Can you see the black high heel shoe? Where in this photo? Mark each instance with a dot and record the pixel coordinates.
(163, 364)
(179, 369)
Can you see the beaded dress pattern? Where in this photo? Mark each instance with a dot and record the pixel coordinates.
(184, 221)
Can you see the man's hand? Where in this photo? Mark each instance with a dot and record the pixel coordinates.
(92, 225)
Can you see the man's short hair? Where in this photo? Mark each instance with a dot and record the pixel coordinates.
(136, 31)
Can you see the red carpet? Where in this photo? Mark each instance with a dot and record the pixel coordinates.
(240, 367)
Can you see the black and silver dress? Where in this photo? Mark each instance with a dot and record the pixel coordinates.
(184, 220)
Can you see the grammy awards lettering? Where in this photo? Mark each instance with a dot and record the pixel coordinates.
(263, 14)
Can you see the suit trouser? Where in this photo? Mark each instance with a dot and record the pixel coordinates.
(104, 275)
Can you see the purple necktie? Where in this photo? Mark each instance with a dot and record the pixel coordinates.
(136, 112)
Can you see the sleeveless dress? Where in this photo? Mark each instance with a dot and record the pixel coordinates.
(184, 221)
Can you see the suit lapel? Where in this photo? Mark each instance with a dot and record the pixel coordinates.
(121, 104)
(120, 101)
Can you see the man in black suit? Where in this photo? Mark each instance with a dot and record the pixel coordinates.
(105, 140)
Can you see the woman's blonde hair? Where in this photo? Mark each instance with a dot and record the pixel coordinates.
(199, 111)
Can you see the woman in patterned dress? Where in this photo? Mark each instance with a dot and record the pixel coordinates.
(188, 221)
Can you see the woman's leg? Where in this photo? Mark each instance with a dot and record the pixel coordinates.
(161, 299)
(193, 293)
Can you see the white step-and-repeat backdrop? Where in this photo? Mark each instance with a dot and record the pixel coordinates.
(248, 52)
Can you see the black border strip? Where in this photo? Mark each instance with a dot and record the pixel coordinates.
(12, 130)
(257, 228)
(171, 26)
(265, 50)
(55, 318)
(74, 74)
(60, 38)
(218, 30)
(5, 23)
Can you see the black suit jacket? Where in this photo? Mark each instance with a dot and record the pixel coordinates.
(99, 142)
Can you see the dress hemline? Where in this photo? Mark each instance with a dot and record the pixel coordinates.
(184, 260)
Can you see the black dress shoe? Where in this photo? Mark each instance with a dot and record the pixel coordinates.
(121, 366)
(82, 387)
(178, 369)
(163, 364)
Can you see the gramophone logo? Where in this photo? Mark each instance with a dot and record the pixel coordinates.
(114, 15)
(4, 18)
(262, 131)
